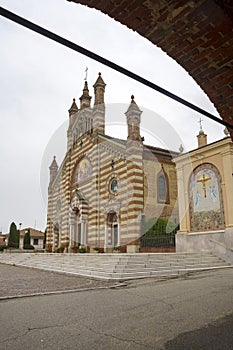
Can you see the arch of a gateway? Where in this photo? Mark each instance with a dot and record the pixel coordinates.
(198, 35)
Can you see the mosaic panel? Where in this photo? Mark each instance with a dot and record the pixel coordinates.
(206, 199)
(83, 170)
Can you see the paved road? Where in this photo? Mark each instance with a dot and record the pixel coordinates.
(192, 313)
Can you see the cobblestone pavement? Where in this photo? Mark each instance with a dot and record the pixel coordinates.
(16, 281)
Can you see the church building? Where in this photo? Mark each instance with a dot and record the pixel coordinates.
(106, 187)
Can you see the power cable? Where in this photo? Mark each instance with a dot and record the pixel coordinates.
(48, 34)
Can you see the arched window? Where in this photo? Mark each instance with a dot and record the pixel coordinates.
(162, 187)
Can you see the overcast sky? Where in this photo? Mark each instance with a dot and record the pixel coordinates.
(39, 79)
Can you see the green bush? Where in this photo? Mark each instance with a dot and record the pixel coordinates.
(161, 227)
(59, 249)
(13, 239)
(118, 248)
(27, 240)
(82, 250)
(2, 247)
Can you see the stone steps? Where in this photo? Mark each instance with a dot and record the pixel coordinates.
(117, 266)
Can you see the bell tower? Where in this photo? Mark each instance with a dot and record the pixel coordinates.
(99, 106)
(135, 175)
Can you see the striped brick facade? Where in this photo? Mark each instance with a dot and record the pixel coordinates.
(105, 187)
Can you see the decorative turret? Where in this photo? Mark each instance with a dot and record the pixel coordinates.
(53, 169)
(99, 107)
(134, 172)
(133, 115)
(201, 137)
(85, 99)
(73, 109)
(99, 89)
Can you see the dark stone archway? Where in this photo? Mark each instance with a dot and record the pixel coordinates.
(197, 34)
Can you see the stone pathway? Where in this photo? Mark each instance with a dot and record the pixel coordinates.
(16, 281)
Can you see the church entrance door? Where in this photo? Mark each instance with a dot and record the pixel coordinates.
(79, 233)
(115, 235)
(112, 230)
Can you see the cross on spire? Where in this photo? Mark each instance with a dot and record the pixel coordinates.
(86, 74)
(200, 122)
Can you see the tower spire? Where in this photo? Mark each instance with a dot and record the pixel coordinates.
(133, 115)
(85, 99)
(99, 88)
(99, 107)
(73, 109)
(53, 169)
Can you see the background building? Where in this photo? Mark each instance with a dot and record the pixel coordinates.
(36, 238)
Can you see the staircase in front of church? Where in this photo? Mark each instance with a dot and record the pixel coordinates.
(117, 267)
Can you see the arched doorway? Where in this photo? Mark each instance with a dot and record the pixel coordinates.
(76, 234)
(112, 230)
(78, 219)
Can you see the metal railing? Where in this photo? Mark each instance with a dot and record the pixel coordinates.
(160, 241)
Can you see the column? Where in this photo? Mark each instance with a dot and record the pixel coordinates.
(106, 235)
(71, 223)
(82, 232)
(85, 232)
(119, 233)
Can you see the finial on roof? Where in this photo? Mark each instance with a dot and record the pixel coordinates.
(181, 148)
(73, 109)
(99, 81)
(133, 105)
(201, 130)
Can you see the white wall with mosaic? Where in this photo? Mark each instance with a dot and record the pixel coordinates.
(205, 187)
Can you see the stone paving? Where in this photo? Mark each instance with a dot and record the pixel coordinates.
(16, 281)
